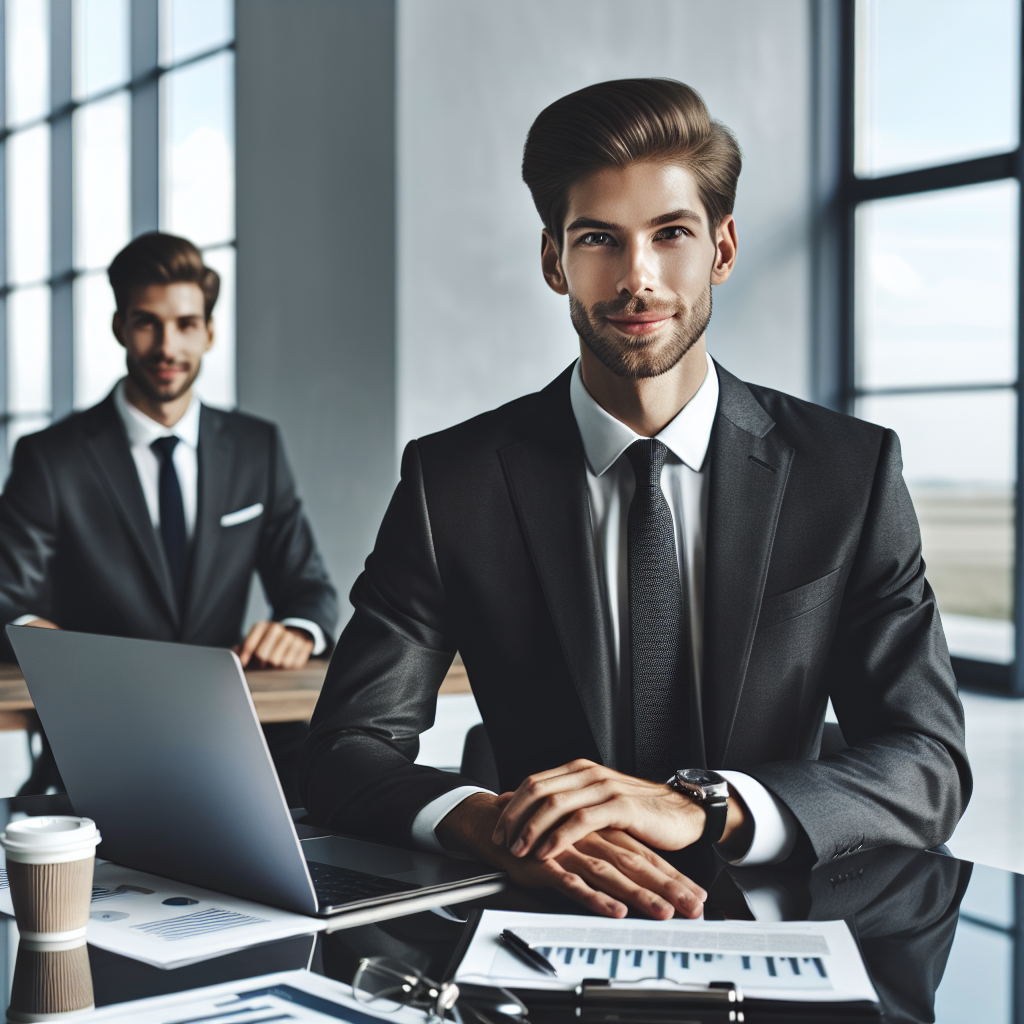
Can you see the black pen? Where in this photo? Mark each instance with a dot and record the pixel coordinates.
(517, 947)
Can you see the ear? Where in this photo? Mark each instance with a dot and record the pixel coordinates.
(726, 245)
(209, 335)
(551, 265)
(117, 326)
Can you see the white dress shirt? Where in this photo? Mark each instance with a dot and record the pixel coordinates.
(610, 483)
(142, 432)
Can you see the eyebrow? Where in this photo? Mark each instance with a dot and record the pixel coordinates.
(603, 225)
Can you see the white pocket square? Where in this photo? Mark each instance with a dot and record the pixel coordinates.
(243, 515)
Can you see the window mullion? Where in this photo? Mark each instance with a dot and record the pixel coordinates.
(61, 226)
(145, 137)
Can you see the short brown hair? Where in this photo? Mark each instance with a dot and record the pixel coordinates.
(156, 258)
(615, 124)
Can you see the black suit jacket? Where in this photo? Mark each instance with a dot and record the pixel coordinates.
(814, 588)
(77, 544)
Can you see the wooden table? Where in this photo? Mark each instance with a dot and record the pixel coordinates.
(279, 695)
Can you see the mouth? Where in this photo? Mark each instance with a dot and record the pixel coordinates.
(640, 323)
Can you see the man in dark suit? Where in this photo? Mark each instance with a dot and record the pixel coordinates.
(651, 569)
(147, 515)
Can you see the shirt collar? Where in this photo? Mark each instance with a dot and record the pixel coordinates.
(143, 431)
(605, 438)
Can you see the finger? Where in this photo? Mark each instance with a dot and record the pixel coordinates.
(603, 876)
(557, 810)
(576, 888)
(298, 651)
(252, 642)
(277, 645)
(270, 640)
(617, 810)
(662, 879)
(541, 786)
(626, 842)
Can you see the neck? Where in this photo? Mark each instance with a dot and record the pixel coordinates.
(165, 413)
(646, 406)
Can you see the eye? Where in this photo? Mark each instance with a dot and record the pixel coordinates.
(669, 234)
(596, 238)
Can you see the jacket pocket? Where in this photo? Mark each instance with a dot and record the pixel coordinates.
(243, 515)
(799, 601)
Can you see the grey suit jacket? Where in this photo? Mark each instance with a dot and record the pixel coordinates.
(77, 544)
(814, 588)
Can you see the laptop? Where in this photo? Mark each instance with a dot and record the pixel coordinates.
(159, 744)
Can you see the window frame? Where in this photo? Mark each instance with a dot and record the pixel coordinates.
(145, 179)
(838, 193)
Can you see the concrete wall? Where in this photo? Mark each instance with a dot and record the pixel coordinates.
(316, 255)
(477, 324)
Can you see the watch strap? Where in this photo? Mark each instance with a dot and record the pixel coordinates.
(716, 812)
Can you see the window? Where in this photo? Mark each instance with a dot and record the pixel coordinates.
(118, 119)
(932, 201)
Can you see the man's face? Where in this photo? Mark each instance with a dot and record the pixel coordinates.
(637, 263)
(165, 334)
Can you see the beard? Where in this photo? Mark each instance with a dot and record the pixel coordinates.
(636, 358)
(137, 375)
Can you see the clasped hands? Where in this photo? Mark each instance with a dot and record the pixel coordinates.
(588, 832)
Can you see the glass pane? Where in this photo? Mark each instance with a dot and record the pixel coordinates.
(102, 207)
(937, 81)
(959, 456)
(99, 357)
(216, 381)
(101, 45)
(28, 350)
(27, 25)
(199, 194)
(937, 288)
(188, 27)
(28, 205)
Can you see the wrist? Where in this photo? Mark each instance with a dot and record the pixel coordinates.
(739, 829)
(467, 828)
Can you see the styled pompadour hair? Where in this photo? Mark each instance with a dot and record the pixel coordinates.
(615, 124)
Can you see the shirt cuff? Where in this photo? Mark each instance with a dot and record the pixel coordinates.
(433, 814)
(775, 827)
(24, 620)
(319, 643)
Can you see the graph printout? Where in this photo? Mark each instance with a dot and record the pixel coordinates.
(795, 960)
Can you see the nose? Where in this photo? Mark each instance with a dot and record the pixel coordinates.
(637, 272)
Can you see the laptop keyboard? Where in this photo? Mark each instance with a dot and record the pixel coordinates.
(337, 886)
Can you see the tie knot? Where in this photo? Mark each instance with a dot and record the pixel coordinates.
(647, 456)
(164, 447)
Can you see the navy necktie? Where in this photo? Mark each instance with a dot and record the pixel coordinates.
(172, 515)
(658, 633)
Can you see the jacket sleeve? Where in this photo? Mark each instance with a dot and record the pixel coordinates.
(291, 568)
(381, 688)
(904, 779)
(29, 517)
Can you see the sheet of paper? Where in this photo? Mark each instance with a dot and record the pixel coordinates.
(288, 995)
(170, 924)
(794, 960)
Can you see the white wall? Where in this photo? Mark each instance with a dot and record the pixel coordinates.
(477, 325)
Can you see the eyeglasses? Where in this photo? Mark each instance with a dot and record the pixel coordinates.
(386, 985)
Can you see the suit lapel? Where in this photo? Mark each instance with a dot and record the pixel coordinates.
(216, 458)
(107, 446)
(749, 467)
(547, 481)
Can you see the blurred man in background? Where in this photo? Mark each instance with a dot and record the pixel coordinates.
(147, 515)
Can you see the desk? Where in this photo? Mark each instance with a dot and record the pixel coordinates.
(280, 695)
(932, 930)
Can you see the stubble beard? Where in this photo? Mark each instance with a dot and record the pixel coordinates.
(138, 377)
(636, 358)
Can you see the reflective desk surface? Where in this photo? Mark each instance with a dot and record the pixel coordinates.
(942, 939)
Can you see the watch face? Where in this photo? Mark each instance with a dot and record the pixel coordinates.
(699, 776)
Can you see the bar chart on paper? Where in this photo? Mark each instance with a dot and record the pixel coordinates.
(799, 960)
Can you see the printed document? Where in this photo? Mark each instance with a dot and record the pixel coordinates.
(792, 960)
(170, 924)
(288, 995)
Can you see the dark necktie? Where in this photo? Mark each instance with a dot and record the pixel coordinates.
(660, 641)
(172, 515)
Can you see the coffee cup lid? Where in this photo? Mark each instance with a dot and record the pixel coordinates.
(50, 834)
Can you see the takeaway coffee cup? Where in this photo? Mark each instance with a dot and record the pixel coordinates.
(49, 867)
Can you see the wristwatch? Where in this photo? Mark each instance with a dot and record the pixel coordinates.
(710, 791)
